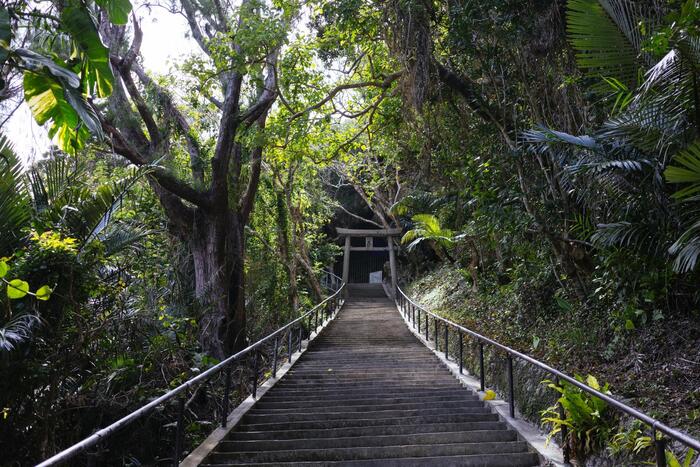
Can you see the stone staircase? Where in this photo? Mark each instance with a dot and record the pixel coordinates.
(368, 393)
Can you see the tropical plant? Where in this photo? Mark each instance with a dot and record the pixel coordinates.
(686, 248)
(620, 46)
(633, 440)
(588, 419)
(426, 227)
(43, 202)
(65, 70)
(673, 461)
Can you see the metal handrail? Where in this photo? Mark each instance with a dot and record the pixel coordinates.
(406, 305)
(332, 303)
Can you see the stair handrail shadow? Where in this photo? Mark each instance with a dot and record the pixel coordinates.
(410, 308)
(328, 306)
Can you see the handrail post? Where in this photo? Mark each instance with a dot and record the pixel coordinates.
(275, 349)
(289, 344)
(437, 339)
(511, 389)
(414, 316)
(179, 431)
(481, 366)
(461, 352)
(419, 310)
(447, 342)
(660, 449)
(427, 328)
(92, 456)
(315, 322)
(227, 393)
(301, 335)
(255, 374)
(564, 430)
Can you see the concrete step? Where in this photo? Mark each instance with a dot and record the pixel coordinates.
(278, 393)
(360, 453)
(332, 415)
(343, 406)
(326, 424)
(492, 460)
(385, 430)
(475, 436)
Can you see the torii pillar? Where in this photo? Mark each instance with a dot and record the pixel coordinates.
(389, 234)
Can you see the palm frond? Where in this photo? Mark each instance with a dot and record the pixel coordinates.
(409, 236)
(635, 236)
(15, 212)
(651, 126)
(120, 237)
(428, 222)
(686, 250)
(687, 171)
(544, 135)
(16, 331)
(52, 180)
(88, 214)
(607, 38)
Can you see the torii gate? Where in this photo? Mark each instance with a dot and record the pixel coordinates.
(368, 235)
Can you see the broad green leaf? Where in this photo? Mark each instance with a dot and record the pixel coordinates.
(593, 382)
(38, 63)
(563, 304)
(47, 100)
(3, 269)
(117, 10)
(44, 293)
(97, 73)
(17, 288)
(85, 112)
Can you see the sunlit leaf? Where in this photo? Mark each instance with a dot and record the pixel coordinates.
(117, 10)
(46, 97)
(17, 288)
(44, 293)
(98, 77)
(39, 63)
(3, 269)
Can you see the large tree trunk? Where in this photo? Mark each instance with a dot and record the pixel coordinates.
(285, 249)
(217, 251)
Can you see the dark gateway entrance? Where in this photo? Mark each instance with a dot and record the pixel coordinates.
(363, 263)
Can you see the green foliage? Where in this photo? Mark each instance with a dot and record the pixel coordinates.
(588, 419)
(673, 461)
(57, 85)
(632, 440)
(687, 171)
(118, 10)
(607, 38)
(96, 72)
(427, 227)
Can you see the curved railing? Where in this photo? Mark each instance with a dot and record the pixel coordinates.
(415, 312)
(330, 281)
(313, 317)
